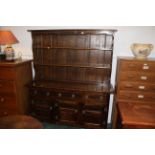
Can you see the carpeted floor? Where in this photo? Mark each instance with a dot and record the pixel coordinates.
(55, 126)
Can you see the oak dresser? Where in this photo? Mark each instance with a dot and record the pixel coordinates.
(72, 76)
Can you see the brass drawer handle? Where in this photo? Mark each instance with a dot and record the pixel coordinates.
(145, 66)
(140, 96)
(143, 77)
(141, 87)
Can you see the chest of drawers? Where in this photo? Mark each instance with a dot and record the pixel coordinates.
(13, 92)
(135, 82)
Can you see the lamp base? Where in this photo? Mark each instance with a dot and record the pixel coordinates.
(9, 52)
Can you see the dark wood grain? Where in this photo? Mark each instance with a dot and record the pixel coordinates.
(14, 76)
(72, 70)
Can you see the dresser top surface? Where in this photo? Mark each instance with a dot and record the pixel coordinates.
(13, 63)
(74, 86)
(76, 31)
(134, 59)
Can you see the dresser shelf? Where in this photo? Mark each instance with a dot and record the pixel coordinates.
(74, 49)
(98, 66)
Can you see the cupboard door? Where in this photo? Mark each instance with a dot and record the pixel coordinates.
(92, 117)
(68, 116)
(42, 110)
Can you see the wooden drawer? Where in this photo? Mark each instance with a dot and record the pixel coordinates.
(93, 126)
(68, 103)
(136, 96)
(144, 66)
(7, 99)
(7, 73)
(7, 86)
(137, 77)
(68, 115)
(69, 95)
(92, 116)
(100, 98)
(136, 86)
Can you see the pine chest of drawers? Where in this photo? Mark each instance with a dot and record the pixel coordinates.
(135, 81)
(13, 91)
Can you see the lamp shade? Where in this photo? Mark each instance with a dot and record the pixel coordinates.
(7, 37)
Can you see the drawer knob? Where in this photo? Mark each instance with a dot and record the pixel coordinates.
(2, 99)
(140, 96)
(141, 87)
(143, 77)
(59, 94)
(0, 85)
(83, 112)
(86, 96)
(75, 111)
(47, 93)
(73, 95)
(51, 108)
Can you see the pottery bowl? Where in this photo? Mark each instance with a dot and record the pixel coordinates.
(141, 51)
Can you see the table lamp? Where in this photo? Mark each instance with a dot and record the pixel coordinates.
(7, 38)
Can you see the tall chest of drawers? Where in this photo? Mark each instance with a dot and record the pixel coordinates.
(14, 76)
(135, 81)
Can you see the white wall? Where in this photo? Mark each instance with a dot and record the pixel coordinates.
(125, 36)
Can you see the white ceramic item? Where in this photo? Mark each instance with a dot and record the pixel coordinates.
(141, 51)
